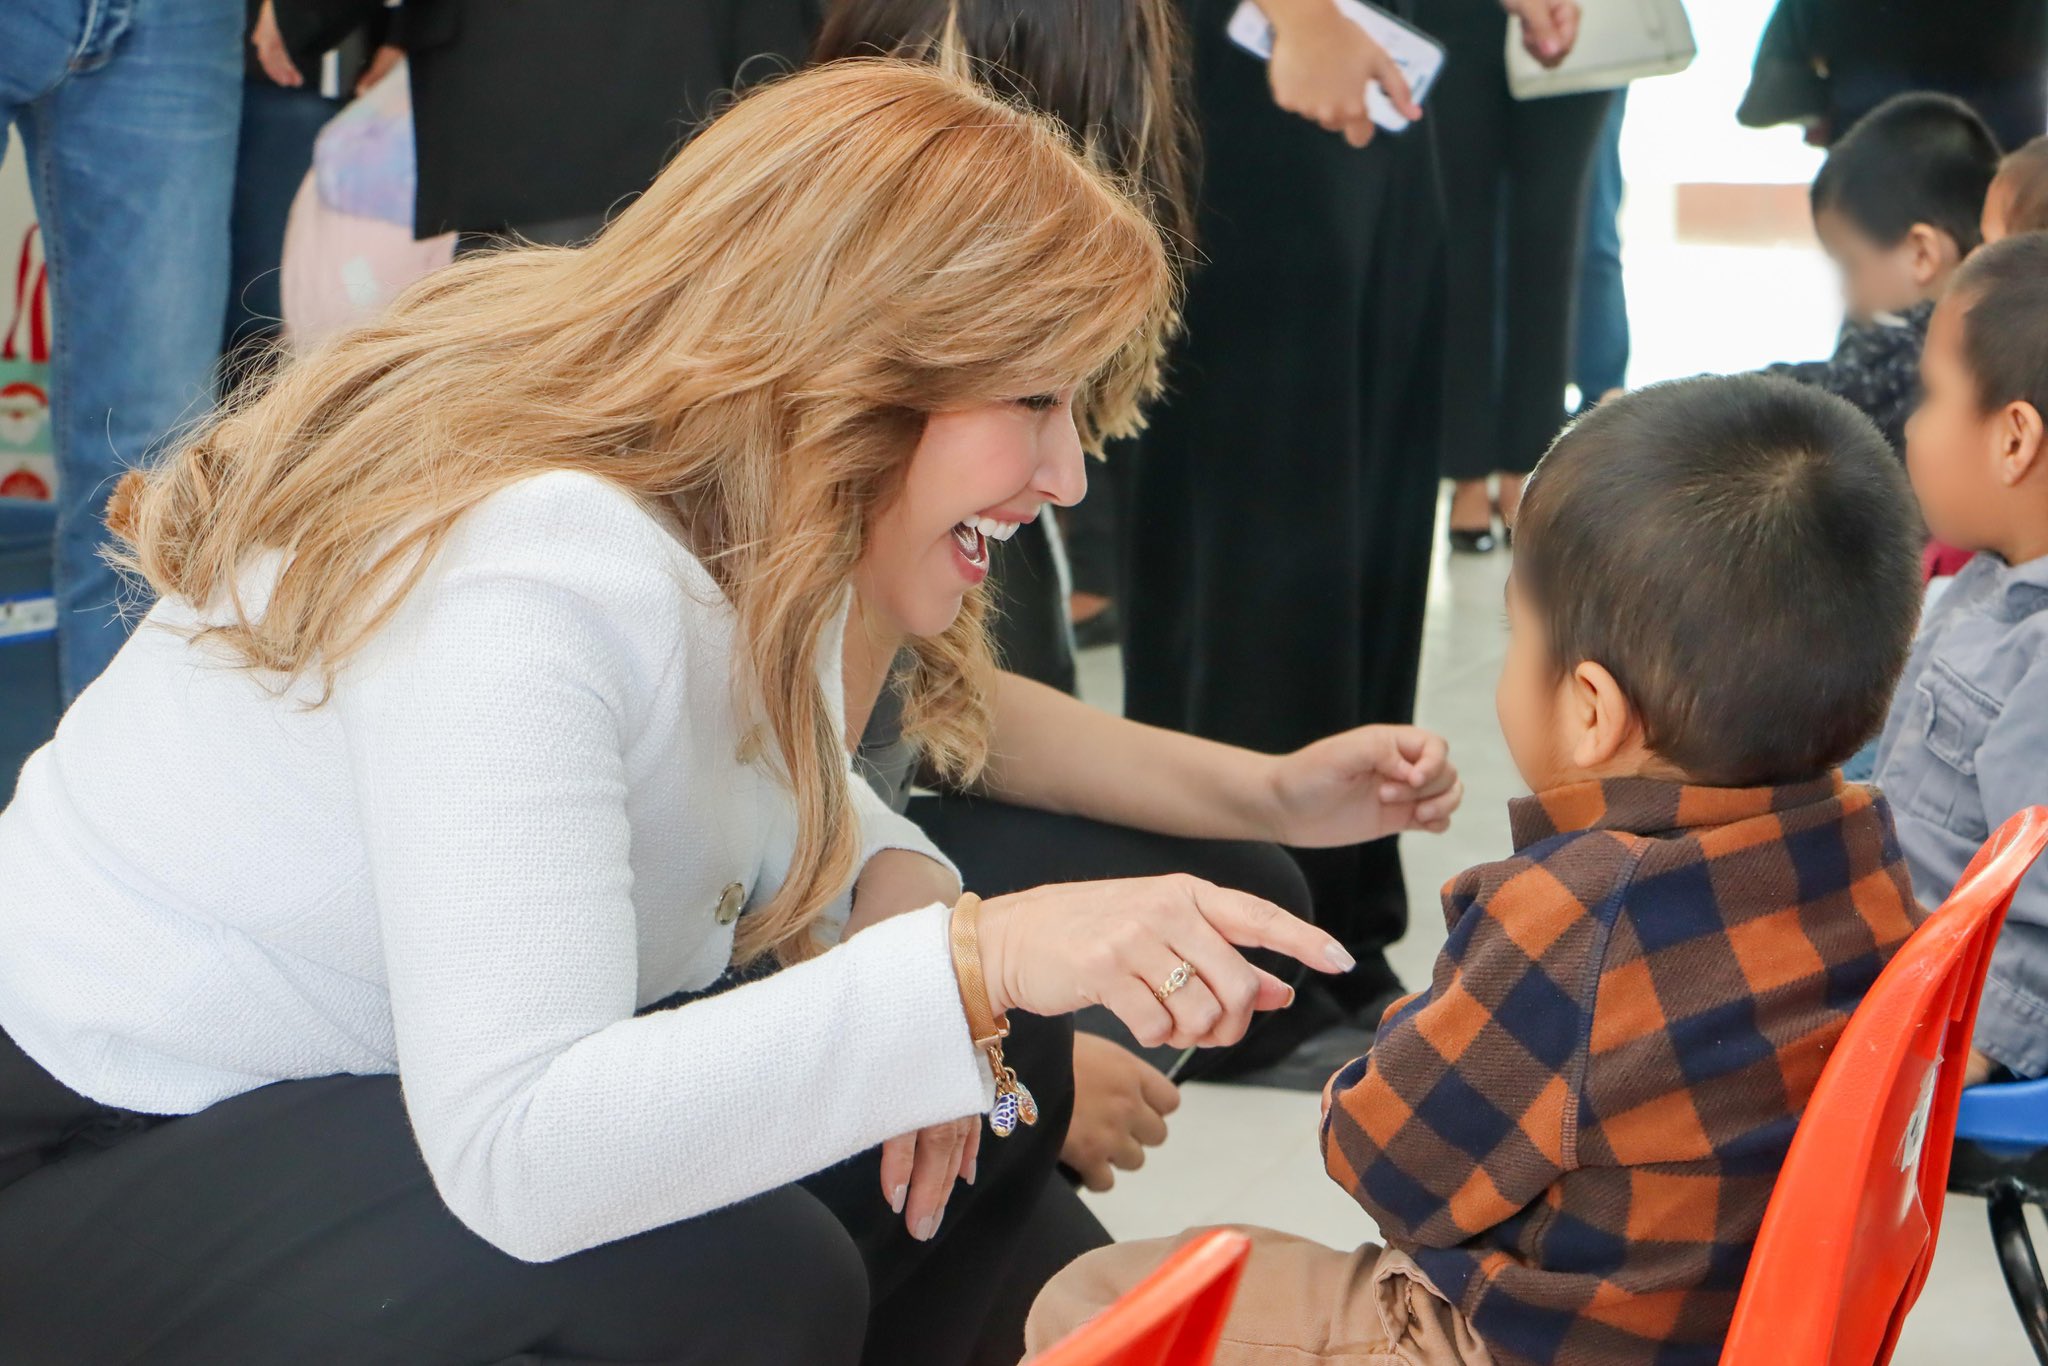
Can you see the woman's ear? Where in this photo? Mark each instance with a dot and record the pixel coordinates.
(1933, 253)
(1605, 722)
(2019, 441)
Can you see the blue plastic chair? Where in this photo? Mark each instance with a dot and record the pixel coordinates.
(2001, 1154)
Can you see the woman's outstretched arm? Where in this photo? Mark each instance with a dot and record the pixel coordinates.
(1057, 753)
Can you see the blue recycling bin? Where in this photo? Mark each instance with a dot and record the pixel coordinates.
(28, 634)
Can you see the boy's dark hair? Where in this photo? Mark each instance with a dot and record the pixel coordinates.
(2002, 291)
(2024, 173)
(1741, 553)
(1917, 158)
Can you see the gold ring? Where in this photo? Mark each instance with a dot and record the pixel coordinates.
(1175, 980)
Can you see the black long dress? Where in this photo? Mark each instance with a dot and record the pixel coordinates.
(1281, 504)
(1516, 174)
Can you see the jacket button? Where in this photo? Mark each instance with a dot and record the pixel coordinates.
(730, 901)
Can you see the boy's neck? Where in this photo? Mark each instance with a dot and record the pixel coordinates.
(1639, 763)
(2022, 546)
(1935, 288)
(2024, 510)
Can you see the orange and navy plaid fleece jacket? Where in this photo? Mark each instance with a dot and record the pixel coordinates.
(1575, 1129)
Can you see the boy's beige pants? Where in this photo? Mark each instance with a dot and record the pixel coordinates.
(1299, 1304)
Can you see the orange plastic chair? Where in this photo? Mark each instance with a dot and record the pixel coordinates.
(1849, 1234)
(1171, 1318)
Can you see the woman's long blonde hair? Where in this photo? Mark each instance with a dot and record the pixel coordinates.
(756, 341)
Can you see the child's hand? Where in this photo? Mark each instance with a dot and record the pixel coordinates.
(1322, 64)
(1120, 1107)
(1361, 785)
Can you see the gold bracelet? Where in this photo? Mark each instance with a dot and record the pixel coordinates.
(1014, 1104)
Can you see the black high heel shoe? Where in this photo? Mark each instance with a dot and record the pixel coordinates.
(1480, 542)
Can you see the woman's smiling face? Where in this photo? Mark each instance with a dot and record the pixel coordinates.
(976, 476)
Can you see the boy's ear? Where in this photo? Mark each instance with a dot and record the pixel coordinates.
(2020, 435)
(1933, 253)
(1605, 722)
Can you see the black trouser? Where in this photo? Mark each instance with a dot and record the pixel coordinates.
(1280, 515)
(297, 1224)
(1515, 174)
(1002, 849)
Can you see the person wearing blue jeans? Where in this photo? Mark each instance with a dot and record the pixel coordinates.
(1600, 346)
(129, 112)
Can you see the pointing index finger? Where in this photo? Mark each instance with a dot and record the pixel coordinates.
(1249, 922)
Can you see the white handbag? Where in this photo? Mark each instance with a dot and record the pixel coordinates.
(1619, 41)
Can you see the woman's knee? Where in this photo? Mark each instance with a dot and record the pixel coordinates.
(773, 1279)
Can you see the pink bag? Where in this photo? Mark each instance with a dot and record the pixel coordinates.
(340, 269)
(348, 245)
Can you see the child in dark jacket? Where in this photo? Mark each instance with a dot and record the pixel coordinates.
(1897, 207)
(1569, 1139)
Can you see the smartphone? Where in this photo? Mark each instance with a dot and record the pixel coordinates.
(1419, 56)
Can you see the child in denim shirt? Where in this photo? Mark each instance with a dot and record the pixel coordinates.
(1966, 744)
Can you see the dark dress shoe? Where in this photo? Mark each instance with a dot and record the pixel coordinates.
(1473, 542)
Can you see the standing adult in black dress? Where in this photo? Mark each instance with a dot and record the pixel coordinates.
(545, 119)
(1516, 176)
(1281, 504)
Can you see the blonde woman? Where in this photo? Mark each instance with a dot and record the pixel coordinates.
(494, 696)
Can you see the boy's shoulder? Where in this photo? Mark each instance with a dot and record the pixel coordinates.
(1827, 841)
(1572, 872)
(1548, 907)
(1713, 883)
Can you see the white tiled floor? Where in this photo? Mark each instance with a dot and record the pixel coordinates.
(1248, 1155)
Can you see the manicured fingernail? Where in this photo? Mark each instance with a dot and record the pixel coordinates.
(896, 1198)
(926, 1227)
(1290, 998)
(1339, 959)
(973, 1166)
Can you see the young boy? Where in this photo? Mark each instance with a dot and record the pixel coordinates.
(1568, 1140)
(2018, 199)
(1896, 206)
(1967, 741)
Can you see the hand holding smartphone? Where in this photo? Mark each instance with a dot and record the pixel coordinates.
(1415, 54)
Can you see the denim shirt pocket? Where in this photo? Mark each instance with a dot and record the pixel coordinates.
(1953, 717)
